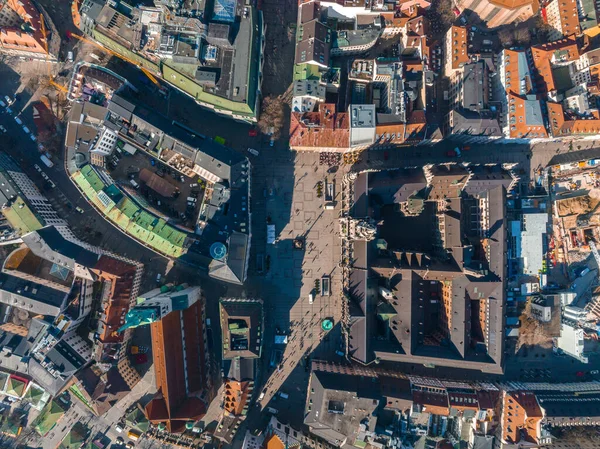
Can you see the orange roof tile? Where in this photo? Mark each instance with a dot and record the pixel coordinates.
(561, 126)
(273, 442)
(417, 26)
(544, 55)
(435, 403)
(172, 404)
(236, 396)
(390, 133)
(569, 17)
(15, 38)
(512, 58)
(521, 417)
(396, 19)
(458, 36)
(514, 4)
(326, 128)
(525, 118)
(544, 79)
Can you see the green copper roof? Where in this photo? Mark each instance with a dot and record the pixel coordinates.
(49, 417)
(135, 221)
(139, 316)
(15, 387)
(21, 218)
(385, 311)
(75, 438)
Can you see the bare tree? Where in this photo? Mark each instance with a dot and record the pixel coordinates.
(506, 37)
(580, 436)
(532, 331)
(271, 116)
(543, 29)
(522, 36)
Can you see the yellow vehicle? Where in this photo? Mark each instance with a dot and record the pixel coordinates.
(134, 435)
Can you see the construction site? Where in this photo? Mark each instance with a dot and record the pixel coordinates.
(573, 253)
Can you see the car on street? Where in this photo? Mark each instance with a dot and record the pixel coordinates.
(580, 373)
(18, 120)
(253, 132)
(253, 151)
(271, 142)
(79, 209)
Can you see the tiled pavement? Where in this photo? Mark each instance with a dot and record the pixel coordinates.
(297, 212)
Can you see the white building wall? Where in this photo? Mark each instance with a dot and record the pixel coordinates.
(106, 143)
(39, 202)
(553, 17)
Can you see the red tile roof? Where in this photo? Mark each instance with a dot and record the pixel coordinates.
(435, 403)
(458, 45)
(173, 405)
(560, 125)
(120, 276)
(236, 396)
(569, 17)
(325, 128)
(15, 37)
(514, 4)
(518, 123)
(544, 55)
(521, 417)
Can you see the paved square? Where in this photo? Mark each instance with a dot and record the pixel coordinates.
(308, 196)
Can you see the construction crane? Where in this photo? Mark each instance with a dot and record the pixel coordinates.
(150, 76)
(45, 37)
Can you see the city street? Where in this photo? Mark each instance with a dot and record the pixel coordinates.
(285, 194)
(104, 424)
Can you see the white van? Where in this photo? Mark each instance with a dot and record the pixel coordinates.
(311, 298)
(134, 184)
(70, 56)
